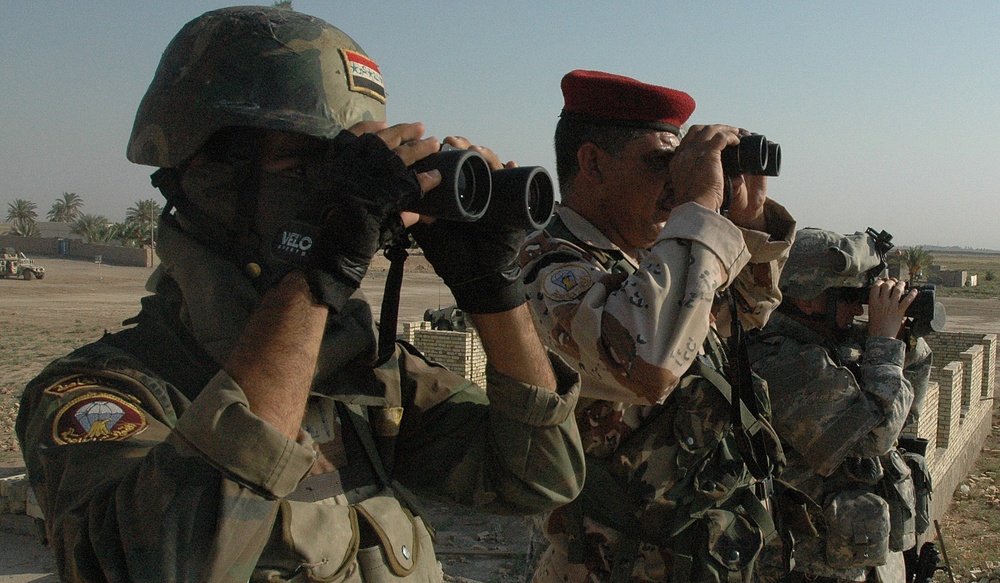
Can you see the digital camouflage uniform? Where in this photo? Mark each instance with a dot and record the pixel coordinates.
(838, 406)
(146, 458)
(149, 466)
(633, 331)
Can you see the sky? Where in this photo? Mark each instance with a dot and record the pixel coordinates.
(886, 111)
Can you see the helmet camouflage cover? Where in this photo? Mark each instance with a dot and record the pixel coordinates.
(253, 66)
(820, 260)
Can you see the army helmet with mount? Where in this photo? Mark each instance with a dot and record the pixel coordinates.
(253, 66)
(821, 260)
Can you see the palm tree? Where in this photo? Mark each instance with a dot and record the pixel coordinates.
(916, 259)
(131, 234)
(21, 211)
(145, 214)
(66, 209)
(94, 228)
(26, 229)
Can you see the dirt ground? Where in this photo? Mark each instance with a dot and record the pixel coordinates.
(77, 301)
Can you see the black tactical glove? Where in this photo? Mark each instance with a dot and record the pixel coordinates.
(352, 212)
(478, 263)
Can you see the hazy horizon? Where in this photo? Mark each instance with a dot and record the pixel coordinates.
(885, 112)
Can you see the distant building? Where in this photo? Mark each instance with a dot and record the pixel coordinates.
(938, 275)
(48, 229)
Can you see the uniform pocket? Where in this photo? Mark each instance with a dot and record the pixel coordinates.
(379, 565)
(316, 551)
(724, 546)
(857, 529)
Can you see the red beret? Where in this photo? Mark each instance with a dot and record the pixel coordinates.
(603, 98)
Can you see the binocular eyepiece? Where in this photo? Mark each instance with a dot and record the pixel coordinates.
(754, 155)
(469, 191)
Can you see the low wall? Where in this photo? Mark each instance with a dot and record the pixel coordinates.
(461, 352)
(958, 410)
(73, 249)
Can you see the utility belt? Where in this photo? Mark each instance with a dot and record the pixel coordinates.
(679, 483)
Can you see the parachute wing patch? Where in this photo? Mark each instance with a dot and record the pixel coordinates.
(97, 417)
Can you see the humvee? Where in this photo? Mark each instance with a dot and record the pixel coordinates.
(14, 264)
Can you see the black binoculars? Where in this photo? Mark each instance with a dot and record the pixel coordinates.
(470, 191)
(925, 314)
(754, 155)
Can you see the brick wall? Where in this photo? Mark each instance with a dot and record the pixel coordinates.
(958, 410)
(461, 352)
(109, 254)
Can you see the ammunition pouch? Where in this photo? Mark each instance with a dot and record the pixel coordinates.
(678, 483)
(857, 529)
(402, 549)
(896, 487)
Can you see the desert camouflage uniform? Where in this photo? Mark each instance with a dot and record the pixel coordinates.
(633, 330)
(149, 465)
(839, 408)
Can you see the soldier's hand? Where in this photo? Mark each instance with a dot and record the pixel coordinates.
(749, 196)
(491, 158)
(477, 262)
(356, 188)
(888, 301)
(696, 167)
(407, 141)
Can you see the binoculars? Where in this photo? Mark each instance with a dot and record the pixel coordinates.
(469, 191)
(755, 155)
(925, 314)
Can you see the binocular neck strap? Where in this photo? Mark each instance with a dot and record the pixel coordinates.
(389, 314)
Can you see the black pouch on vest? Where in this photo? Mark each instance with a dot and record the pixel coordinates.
(914, 451)
(897, 489)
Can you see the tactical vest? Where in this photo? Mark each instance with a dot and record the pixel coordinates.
(866, 508)
(381, 539)
(679, 481)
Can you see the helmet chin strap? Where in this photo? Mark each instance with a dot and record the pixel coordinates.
(824, 322)
(238, 242)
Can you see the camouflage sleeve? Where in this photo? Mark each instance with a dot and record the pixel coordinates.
(919, 359)
(882, 379)
(634, 336)
(513, 448)
(127, 497)
(822, 410)
(756, 285)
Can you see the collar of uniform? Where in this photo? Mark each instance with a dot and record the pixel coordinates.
(585, 230)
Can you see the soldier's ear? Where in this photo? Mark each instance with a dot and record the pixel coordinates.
(589, 158)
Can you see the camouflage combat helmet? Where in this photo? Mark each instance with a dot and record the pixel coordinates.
(820, 260)
(253, 66)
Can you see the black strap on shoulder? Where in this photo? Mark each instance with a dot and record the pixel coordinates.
(752, 444)
(614, 260)
(389, 313)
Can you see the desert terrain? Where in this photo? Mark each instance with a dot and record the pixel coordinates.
(77, 301)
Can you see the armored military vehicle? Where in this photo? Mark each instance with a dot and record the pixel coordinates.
(14, 264)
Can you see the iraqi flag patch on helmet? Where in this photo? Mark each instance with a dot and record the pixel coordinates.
(363, 75)
(97, 417)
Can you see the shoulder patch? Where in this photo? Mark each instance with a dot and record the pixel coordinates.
(363, 75)
(567, 282)
(97, 417)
